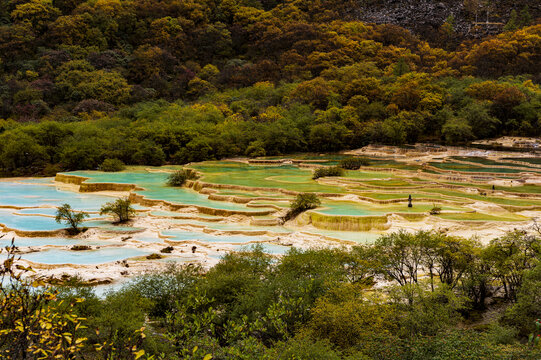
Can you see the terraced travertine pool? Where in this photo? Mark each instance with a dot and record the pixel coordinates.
(254, 197)
(155, 187)
(43, 193)
(531, 160)
(286, 177)
(455, 166)
(105, 255)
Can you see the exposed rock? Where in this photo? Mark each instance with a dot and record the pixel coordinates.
(424, 17)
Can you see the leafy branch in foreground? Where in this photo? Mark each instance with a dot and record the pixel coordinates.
(34, 323)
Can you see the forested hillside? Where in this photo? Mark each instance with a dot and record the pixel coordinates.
(149, 82)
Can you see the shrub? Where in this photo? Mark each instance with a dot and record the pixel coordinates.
(70, 217)
(255, 149)
(328, 171)
(436, 210)
(354, 163)
(525, 311)
(80, 247)
(344, 317)
(120, 208)
(32, 316)
(112, 165)
(51, 170)
(154, 257)
(91, 105)
(167, 250)
(303, 202)
(303, 347)
(178, 178)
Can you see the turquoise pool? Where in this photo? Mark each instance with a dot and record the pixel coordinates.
(105, 255)
(180, 235)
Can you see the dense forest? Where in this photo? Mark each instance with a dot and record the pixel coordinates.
(153, 82)
(444, 298)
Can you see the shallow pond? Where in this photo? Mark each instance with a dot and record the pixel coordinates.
(180, 235)
(28, 223)
(44, 193)
(155, 188)
(56, 256)
(42, 241)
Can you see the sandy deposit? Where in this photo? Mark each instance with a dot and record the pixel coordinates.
(484, 231)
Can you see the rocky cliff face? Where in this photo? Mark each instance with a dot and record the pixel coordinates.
(473, 18)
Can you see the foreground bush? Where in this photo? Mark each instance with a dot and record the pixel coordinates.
(39, 322)
(327, 171)
(308, 304)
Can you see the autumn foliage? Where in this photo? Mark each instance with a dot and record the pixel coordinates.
(239, 77)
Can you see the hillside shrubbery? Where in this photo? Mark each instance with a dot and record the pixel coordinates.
(354, 163)
(327, 171)
(315, 304)
(150, 83)
(112, 165)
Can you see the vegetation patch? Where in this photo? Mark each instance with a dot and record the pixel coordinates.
(112, 165)
(70, 217)
(312, 304)
(436, 210)
(354, 163)
(302, 203)
(121, 209)
(178, 178)
(167, 250)
(327, 171)
(80, 248)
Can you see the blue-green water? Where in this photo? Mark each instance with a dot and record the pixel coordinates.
(156, 188)
(267, 248)
(356, 236)
(105, 255)
(51, 241)
(30, 195)
(179, 235)
(28, 223)
(230, 226)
